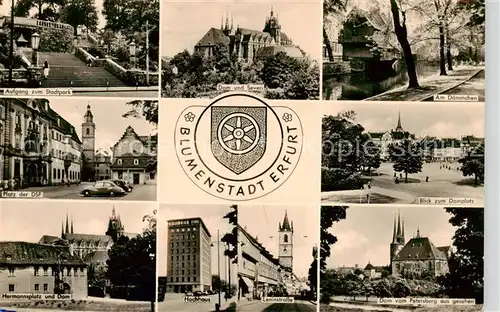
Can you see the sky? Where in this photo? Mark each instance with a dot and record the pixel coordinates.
(212, 216)
(110, 125)
(38, 218)
(421, 118)
(361, 240)
(184, 23)
(5, 10)
(262, 221)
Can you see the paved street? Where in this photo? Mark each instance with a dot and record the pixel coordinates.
(475, 86)
(442, 183)
(145, 192)
(175, 302)
(258, 306)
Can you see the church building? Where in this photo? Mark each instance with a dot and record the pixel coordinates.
(394, 136)
(248, 44)
(418, 257)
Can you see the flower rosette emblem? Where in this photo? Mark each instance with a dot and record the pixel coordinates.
(287, 117)
(189, 117)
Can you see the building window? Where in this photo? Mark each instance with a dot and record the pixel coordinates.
(45, 287)
(136, 162)
(119, 161)
(285, 239)
(11, 271)
(81, 271)
(37, 287)
(194, 278)
(37, 273)
(45, 271)
(69, 271)
(11, 288)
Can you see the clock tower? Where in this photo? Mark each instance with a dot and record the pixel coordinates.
(88, 136)
(286, 243)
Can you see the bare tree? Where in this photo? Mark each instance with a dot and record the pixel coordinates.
(399, 18)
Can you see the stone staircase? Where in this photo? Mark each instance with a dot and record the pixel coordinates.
(67, 70)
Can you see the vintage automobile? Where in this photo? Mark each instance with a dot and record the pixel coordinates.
(124, 185)
(103, 188)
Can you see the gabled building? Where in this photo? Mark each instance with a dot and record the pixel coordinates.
(37, 145)
(134, 157)
(36, 268)
(248, 44)
(394, 136)
(418, 257)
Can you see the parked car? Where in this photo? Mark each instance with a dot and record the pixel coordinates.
(123, 184)
(103, 188)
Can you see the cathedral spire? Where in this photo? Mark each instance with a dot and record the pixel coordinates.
(232, 21)
(62, 228)
(403, 229)
(418, 232)
(272, 11)
(398, 234)
(227, 21)
(67, 223)
(72, 224)
(394, 233)
(399, 127)
(222, 22)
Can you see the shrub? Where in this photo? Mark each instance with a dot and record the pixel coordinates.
(335, 179)
(55, 40)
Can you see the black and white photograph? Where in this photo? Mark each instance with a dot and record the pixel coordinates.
(403, 153)
(77, 257)
(410, 259)
(404, 50)
(80, 47)
(197, 258)
(278, 268)
(78, 149)
(269, 48)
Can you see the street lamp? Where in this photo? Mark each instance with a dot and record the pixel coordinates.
(35, 43)
(11, 48)
(152, 257)
(133, 48)
(217, 305)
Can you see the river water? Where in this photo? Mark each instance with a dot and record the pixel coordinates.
(357, 86)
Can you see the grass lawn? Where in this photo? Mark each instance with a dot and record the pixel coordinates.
(73, 305)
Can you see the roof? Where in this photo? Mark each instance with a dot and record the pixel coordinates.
(291, 51)
(257, 244)
(130, 133)
(48, 239)
(25, 253)
(38, 107)
(248, 34)
(213, 36)
(420, 248)
(189, 219)
(369, 266)
(285, 226)
(96, 256)
(88, 238)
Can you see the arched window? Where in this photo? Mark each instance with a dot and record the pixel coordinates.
(285, 239)
(87, 131)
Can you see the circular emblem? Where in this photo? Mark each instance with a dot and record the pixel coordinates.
(238, 147)
(238, 133)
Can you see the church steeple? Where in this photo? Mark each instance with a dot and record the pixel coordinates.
(418, 232)
(403, 229)
(285, 226)
(399, 127)
(67, 224)
(72, 224)
(115, 227)
(62, 228)
(394, 233)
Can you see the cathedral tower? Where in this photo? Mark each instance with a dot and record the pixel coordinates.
(115, 227)
(88, 135)
(286, 243)
(398, 237)
(399, 128)
(273, 27)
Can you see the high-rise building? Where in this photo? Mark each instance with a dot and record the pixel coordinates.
(189, 260)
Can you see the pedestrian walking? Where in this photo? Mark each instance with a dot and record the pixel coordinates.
(369, 184)
(427, 179)
(46, 69)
